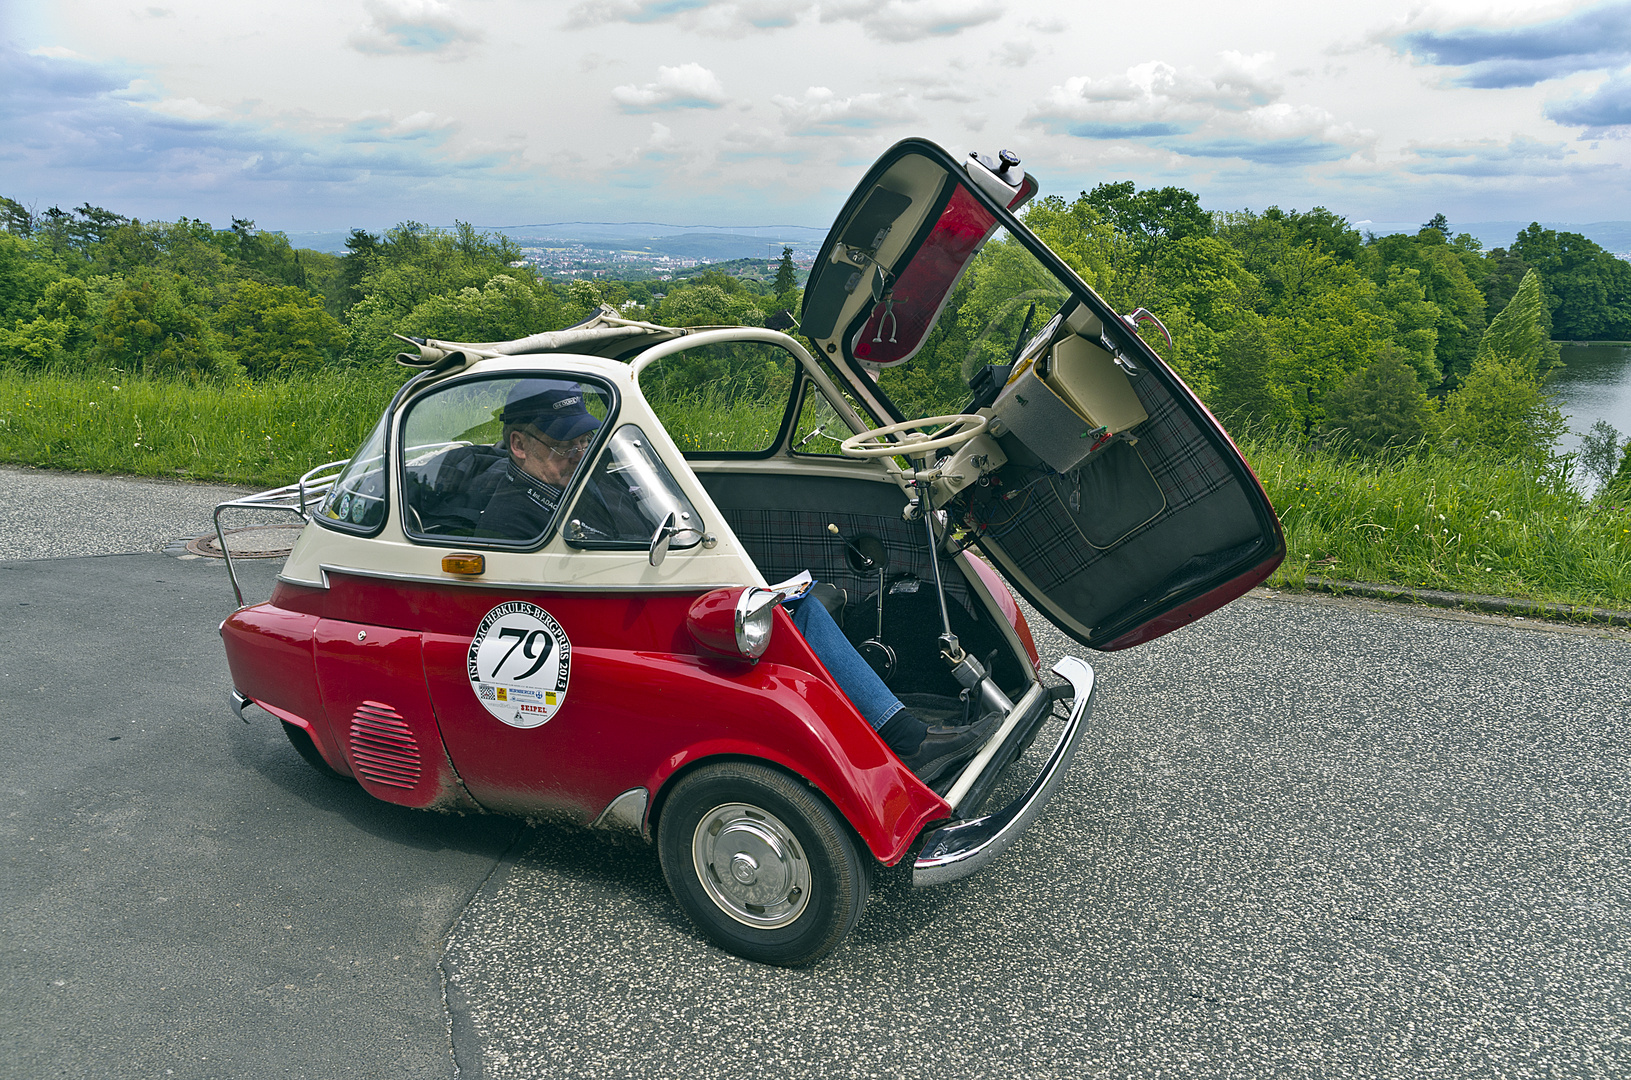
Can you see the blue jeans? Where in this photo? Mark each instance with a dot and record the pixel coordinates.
(871, 698)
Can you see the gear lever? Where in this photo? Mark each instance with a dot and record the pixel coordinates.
(875, 651)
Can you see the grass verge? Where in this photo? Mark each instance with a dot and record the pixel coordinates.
(1456, 522)
(257, 433)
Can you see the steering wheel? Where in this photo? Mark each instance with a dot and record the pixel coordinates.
(870, 444)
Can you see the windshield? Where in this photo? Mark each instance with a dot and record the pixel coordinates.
(356, 502)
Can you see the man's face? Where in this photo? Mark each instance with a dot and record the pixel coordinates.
(546, 459)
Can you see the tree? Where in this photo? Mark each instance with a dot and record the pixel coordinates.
(1415, 322)
(1383, 405)
(504, 308)
(1618, 488)
(1445, 281)
(1502, 272)
(156, 325)
(1600, 452)
(1246, 381)
(26, 268)
(15, 218)
(1079, 235)
(1151, 215)
(786, 278)
(278, 329)
(1440, 223)
(1521, 333)
(709, 304)
(414, 262)
(59, 329)
(1500, 404)
(1587, 289)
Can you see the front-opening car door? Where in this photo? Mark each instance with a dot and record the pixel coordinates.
(1106, 492)
(543, 494)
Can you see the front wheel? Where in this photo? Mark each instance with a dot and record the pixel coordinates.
(762, 865)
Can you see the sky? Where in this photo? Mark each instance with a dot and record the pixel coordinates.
(311, 115)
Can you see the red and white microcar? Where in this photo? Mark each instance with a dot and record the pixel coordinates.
(602, 645)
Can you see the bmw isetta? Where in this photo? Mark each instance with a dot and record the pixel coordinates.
(602, 637)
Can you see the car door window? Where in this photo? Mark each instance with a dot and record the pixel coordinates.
(725, 398)
(493, 459)
(628, 497)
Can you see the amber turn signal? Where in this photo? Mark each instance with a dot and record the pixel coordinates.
(463, 563)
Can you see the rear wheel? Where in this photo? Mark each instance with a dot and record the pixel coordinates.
(762, 865)
(301, 740)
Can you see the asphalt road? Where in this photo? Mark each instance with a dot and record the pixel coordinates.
(1308, 838)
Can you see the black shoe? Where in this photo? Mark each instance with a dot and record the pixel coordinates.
(943, 748)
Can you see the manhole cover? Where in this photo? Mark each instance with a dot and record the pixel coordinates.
(250, 542)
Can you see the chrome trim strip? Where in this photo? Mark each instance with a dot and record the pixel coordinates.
(957, 850)
(323, 584)
(625, 814)
(535, 586)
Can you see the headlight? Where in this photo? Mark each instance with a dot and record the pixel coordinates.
(733, 622)
(753, 613)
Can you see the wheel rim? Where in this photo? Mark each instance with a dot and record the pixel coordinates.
(751, 865)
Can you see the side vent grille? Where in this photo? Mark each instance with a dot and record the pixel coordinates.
(383, 746)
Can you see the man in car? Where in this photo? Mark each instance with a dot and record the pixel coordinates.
(547, 430)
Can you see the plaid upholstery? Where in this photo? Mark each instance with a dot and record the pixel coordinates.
(1185, 463)
(784, 542)
(1041, 536)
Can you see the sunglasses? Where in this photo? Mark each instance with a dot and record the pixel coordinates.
(575, 448)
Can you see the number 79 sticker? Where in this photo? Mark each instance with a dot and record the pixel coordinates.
(519, 664)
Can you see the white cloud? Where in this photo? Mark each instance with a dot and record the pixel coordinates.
(934, 86)
(820, 111)
(912, 20)
(730, 17)
(413, 27)
(187, 109)
(1014, 53)
(56, 52)
(689, 86)
(1233, 111)
(1518, 156)
(894, 21)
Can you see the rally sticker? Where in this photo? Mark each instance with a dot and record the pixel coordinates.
(519, 663)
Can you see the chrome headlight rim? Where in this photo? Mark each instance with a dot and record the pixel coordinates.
(754, 610)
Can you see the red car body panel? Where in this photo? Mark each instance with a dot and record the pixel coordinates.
(269, 652)
(644, 703)
(372, 681)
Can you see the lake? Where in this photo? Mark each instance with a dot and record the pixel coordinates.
(1594, 385)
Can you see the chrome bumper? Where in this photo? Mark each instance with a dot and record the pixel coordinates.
(957, 850)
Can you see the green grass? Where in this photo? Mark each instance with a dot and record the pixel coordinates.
(257, 433)
(1459, 522)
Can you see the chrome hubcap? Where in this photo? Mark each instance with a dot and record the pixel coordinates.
(751, 866)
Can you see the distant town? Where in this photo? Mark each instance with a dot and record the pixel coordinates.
(575, 261)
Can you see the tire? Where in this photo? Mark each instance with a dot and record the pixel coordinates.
(761, 864)
(302, 743)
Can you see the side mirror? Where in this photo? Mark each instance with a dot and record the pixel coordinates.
(661, 538)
